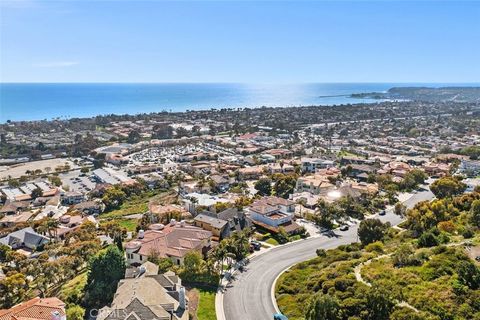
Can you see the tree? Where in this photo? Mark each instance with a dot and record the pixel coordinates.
(400, 209)
(162, 131)
(264, 186)
(323, 307)
(113, 198)
(37, 192)
(371, 230)
(75, 312)
(84, 169)
(475, 213)
(192, 262)
(105, 270)
(55, 180)
(379, 304)
(13, 289)
(134, 136)
(469, 274)
(326, 214)
(428, 239)
(4, 250)
(447, 187)
(285, 186)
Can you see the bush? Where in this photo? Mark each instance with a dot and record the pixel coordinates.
(427, 240)
(321, 253)
(468, 233)
(372, 230)
(376, 246)
(75, 312)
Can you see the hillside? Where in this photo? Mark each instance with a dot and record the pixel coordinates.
(426, 272)
(452, 94)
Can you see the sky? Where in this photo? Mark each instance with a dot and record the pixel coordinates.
(239, 41)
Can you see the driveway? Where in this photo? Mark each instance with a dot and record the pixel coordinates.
(249, 295)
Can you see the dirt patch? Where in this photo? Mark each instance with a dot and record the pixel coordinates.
(192, 295)
(474, 252)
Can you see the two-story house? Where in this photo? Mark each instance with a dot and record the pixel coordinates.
(273, 213)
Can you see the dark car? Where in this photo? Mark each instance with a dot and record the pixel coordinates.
(477, 258)
(382, 213)
(256, 245)
(344, 228)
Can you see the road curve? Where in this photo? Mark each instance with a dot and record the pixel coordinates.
(248, 296)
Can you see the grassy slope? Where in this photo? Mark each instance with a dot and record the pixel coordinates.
(206, 307)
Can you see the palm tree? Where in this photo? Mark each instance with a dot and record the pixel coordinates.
(51, 226)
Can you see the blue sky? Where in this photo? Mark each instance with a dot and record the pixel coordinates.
(256, 42)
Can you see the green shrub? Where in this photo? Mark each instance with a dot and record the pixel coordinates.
(376, 246)
(427, 240)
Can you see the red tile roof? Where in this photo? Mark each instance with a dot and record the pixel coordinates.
(35, 309)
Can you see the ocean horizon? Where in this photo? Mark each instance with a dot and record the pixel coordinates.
(47, 101)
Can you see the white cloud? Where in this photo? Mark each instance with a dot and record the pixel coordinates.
(56, 64)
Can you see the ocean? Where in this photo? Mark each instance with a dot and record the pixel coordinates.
(38, 101)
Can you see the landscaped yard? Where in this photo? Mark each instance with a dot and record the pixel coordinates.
(129, 224)
(139, 204)
(202, 303)
(272, 241)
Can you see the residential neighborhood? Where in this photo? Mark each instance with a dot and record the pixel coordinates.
(152, 225)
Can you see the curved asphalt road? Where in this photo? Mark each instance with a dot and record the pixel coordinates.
(248, 297)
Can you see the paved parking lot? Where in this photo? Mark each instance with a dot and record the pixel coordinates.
(75, 182)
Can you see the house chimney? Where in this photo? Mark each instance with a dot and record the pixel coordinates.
(181, 298)
(141, 234)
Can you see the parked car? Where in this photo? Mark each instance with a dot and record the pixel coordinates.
(256, 245)
(344, 228)
(477, 258)
(382, 213)
(279, 316)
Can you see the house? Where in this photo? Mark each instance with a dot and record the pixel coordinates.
(470, 168)
(229, 220)
(172, 241)
(13, 219)
(192, 201)
(251, 173)
(396, 168)
(273, 213)
(279, 153)
(313, 164)
(69, 223)
(360, 171)
(72, 197)
(316, 184)
(36, 309)
(436, 169)
(222, 183)
(346, 160)
(51, 211)
(24, 238)
(218, 227)
(148, 297)
(14, 207)
(90, 207)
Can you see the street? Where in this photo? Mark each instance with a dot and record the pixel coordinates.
(249, 295)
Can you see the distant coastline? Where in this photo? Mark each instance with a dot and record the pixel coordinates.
(38, 101)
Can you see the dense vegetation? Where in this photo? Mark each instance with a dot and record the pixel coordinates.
(421, 272)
